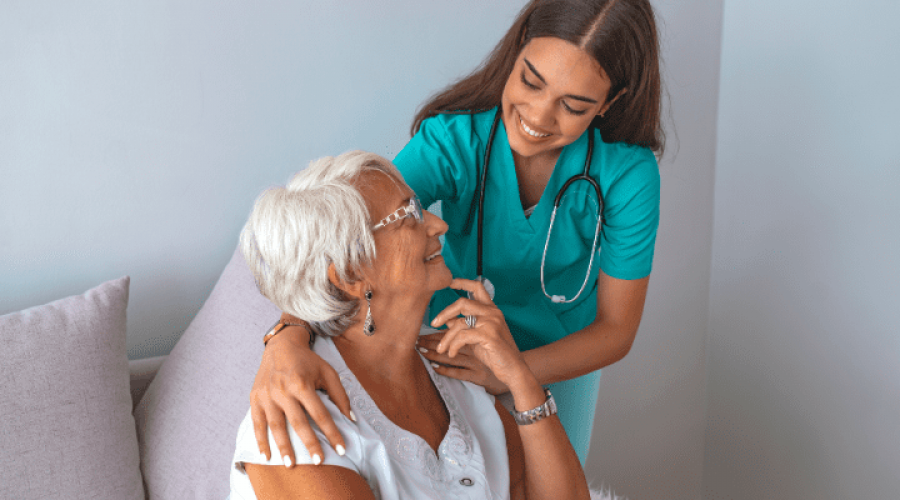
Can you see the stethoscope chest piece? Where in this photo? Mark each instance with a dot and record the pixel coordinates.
(488, 286)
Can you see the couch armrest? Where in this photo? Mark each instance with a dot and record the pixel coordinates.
(142, 372)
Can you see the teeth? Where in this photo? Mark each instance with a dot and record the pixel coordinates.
(531, 132)
(432, 256)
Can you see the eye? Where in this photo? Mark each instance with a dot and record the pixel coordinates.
(576, 112)
(527, 83)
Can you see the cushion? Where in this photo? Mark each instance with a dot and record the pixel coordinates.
(65, 408)
(189, 416)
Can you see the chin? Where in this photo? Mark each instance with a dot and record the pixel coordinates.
(445, 280)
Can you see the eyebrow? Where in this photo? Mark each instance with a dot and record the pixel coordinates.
(541, 78)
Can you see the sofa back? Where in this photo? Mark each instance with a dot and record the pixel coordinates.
(188, 417)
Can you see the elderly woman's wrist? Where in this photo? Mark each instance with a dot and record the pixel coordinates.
(525, 390)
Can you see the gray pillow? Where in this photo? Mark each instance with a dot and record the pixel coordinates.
(66, 429)
(188, 418)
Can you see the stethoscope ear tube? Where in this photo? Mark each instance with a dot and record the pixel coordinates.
(481, 189)
(585, 176)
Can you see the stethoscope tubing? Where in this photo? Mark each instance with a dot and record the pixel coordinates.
(584, 176)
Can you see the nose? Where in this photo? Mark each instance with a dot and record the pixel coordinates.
(434, 225)
(542, 112)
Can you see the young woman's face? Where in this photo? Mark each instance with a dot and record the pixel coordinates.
(554, 91)
(408, 259)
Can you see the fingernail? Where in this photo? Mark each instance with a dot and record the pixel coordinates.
(423, 350)
(340, 449)
(263, 457)
(434, 365)
(434, 322)
(287, 461)
(352, 416)
(317, 459)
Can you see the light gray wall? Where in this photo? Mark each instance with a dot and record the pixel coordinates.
(134, 137)
(804, 335)
(651, 410)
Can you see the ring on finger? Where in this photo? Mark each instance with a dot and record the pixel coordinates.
(471, 321)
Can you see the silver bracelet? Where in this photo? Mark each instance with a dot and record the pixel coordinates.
(536, 414)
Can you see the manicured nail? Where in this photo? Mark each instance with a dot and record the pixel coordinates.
(352, 416)
(317, 459)
(287, 461)
(340, 449)
(423, 350)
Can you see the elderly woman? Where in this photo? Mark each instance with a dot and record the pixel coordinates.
(347, 247)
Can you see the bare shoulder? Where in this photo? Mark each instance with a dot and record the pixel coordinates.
(516, 454)
(304, 482)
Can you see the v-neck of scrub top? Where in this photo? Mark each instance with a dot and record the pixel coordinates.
(508, 177)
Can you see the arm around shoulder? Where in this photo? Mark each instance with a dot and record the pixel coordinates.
(284, 390)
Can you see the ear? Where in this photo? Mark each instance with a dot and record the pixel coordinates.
(355, 289)
(610, 102)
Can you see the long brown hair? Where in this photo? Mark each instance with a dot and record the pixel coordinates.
(619, 34)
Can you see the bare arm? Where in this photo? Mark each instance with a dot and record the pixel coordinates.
(284, 390)
(620, 306)
(307, 482)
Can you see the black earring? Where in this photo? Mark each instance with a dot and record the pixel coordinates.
(369, 326)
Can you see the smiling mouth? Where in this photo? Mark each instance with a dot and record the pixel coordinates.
(531, 132)
(433, 256)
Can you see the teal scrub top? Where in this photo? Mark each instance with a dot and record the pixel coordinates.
(441, 162)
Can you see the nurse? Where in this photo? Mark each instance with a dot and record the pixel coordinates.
(565, 71)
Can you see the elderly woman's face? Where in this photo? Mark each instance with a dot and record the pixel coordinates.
(408, 251)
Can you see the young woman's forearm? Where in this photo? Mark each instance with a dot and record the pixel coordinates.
(596, 346)
(620, 306)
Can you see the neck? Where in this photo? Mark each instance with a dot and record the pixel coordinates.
(391, 371)
(542, 161)
(388, 356)
(533, 173)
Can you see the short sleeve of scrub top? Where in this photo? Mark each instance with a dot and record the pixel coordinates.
(442, 162)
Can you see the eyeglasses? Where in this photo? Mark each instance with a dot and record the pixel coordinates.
(414, 209)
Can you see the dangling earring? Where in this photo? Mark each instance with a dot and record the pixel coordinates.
(369, 326)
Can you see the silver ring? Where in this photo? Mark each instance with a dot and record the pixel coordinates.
(471, 321)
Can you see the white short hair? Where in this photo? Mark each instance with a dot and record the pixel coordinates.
(295, 232)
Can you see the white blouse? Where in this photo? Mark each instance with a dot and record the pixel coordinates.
(471, 462)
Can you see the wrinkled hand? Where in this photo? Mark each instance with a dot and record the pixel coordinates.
(487, 354)
(465, 366)
(285, 387)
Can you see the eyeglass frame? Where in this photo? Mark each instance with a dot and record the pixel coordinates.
(413, 209)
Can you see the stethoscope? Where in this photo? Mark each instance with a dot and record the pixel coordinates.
(584, 176)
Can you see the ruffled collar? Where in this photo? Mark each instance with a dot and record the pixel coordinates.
(456, 450)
